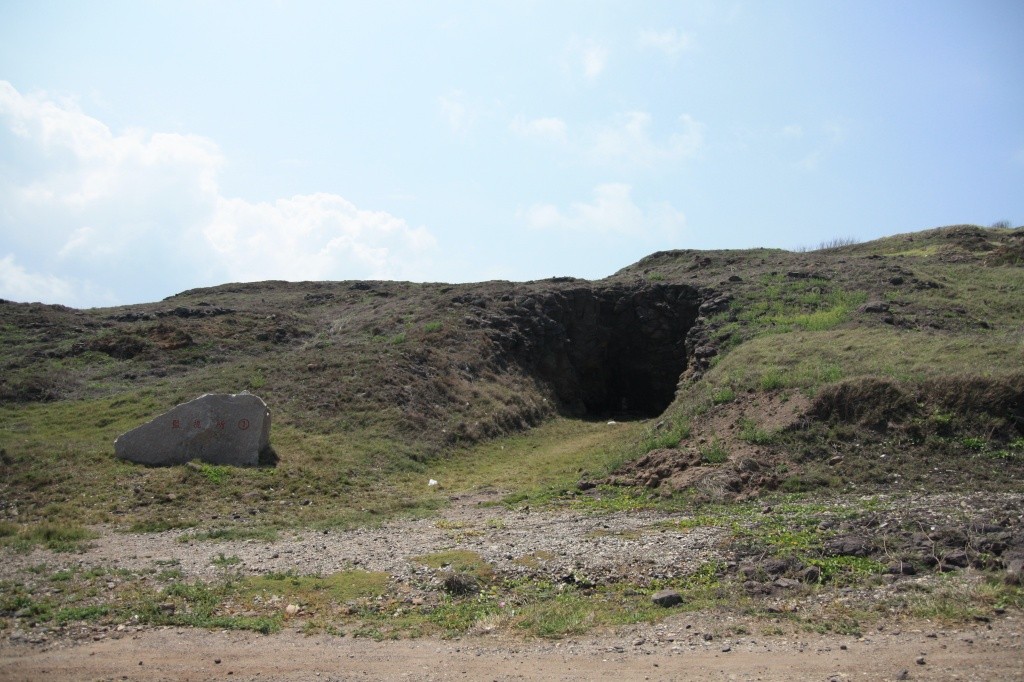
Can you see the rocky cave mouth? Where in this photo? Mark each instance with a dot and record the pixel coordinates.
(615, 351)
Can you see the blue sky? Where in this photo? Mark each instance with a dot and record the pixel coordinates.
(151, 147)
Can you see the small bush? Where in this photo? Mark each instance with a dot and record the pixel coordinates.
(667, 438)
(723, 395)
(213, 473)
(224, 561)
(158, 525)
(81, 613)
(772, 380)
(750, 432)
(54, 536)
(836, 243)
(806, 482)
(460, 584)
(846, 569)
(714, 453)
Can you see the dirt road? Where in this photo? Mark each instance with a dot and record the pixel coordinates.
(993, 651)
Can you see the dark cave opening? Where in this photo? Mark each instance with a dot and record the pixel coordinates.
(614, 351)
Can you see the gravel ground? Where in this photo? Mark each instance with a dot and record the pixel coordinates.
(626, 545)
(634, 546)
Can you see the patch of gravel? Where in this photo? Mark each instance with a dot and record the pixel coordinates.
(634, 546)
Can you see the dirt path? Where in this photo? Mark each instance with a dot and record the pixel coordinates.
(646, 653)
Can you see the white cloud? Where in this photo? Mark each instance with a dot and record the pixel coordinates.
(612, 211)
(792, 131)
(317, 236)
(18, 284)
(670, 41)
(828, 139)
(89, 216)
(587, 57)
(629, 141)
(548, 128)
(457, 112)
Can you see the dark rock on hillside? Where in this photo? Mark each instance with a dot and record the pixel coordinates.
(214, 428)
(851, 545)
(667, 598)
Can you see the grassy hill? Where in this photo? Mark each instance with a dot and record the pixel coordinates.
(730, 373)
(840, 417)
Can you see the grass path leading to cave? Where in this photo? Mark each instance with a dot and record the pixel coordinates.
(536, 464)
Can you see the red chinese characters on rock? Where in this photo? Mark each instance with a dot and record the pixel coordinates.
(219, 424)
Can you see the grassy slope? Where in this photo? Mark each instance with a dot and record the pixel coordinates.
(375, 390)
(373, 386)
(955, 301)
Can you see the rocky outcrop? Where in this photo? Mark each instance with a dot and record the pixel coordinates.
(603, 350)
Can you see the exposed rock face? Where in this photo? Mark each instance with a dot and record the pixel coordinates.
(216, 428)
(605, 350)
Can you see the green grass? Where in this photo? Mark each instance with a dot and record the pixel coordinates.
(810, 360)
(315, 592)
(543, 462)
(610, 499)
(846, 570)
(213, 473)
(714, 453)
(81, 613)
(784, 305)
(222, 561)
(723, 395)
(668, 436)
(458, 561)
(752, 433)
(58, 537)
(62, 466)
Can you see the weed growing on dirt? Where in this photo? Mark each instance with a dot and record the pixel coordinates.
(222, 561)
(714, 453)
(723, 395)
(58, 537)
(459, 561)
(159, 525)
(213, 473)
(846, 570)
(752, 433)
(665, 436)
(228, 533)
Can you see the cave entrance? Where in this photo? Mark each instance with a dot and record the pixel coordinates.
(616, 351)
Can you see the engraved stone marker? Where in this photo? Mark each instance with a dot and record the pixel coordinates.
(216, 428)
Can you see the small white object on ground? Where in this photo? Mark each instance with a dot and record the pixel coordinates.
(431, 482)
